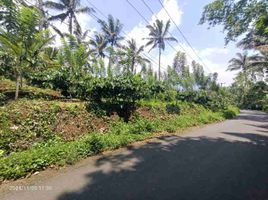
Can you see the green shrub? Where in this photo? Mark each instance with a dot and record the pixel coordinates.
(173, 108)
(3, 98)
(214, 101)
(257, 96)
(96, 144)
(141, 126)
(231, 112)
(117, 94)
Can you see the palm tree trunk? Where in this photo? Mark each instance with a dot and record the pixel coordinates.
(110, 74)
(245, 87)
(132, 65)
(17, 86)
(159, 65)
(71, 24)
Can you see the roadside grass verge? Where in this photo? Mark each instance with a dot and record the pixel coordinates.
(57, 152)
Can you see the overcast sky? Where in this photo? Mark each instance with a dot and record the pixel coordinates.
(208, 43)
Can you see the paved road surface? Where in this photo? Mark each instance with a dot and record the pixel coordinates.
(224, 161)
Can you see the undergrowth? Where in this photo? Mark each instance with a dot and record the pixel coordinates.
(56, 151)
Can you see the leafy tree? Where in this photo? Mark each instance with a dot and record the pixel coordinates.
(212, 82)
(199, 75)
(172, 77)
(24, 42)
(262, 24)
(236, 17)
(74, 68)
(69, 9)
(8, 15)
(253, 40)
(180, 64)
(256, 97)
(117, 94)
(158, 37)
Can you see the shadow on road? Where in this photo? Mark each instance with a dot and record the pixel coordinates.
(251, 115)
(183, 168)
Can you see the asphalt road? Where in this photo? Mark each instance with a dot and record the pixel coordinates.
(224, 161)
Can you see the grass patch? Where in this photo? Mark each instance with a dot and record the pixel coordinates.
(7, 91)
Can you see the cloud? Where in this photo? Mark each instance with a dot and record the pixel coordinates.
(140, 31)
(215, 58)
(174, 12)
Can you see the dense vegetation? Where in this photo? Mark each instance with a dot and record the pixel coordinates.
(248, 20)
(61, 103)
(37, 133)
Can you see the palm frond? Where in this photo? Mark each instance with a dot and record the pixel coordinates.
(4, 40)
(166, 28)
(60, 17)
(172, 39)
(54, 5)
(77, 27)
(57, 30)
(85, 10)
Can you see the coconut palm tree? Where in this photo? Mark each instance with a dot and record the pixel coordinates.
(242, 63)
(158, 36)
(69, 9)
(112, 33)
(260, 63)
(133, 55)
(99, 45)
(112, 30)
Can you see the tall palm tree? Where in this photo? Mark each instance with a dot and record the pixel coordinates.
(158, 37)
(112, 32)
(242, 62)
(260, 63)
(133, 54)
(69, 9)
(99, 45)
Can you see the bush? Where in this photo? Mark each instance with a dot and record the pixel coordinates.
(3, 99)
(117, 94)
(96, 144)
(155, 89)
(71, 84)
(231, 112)
(211, 100)
(141, 126)
(173, 109)
(257, 96)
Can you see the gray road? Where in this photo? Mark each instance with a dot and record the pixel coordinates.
(225, 161)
